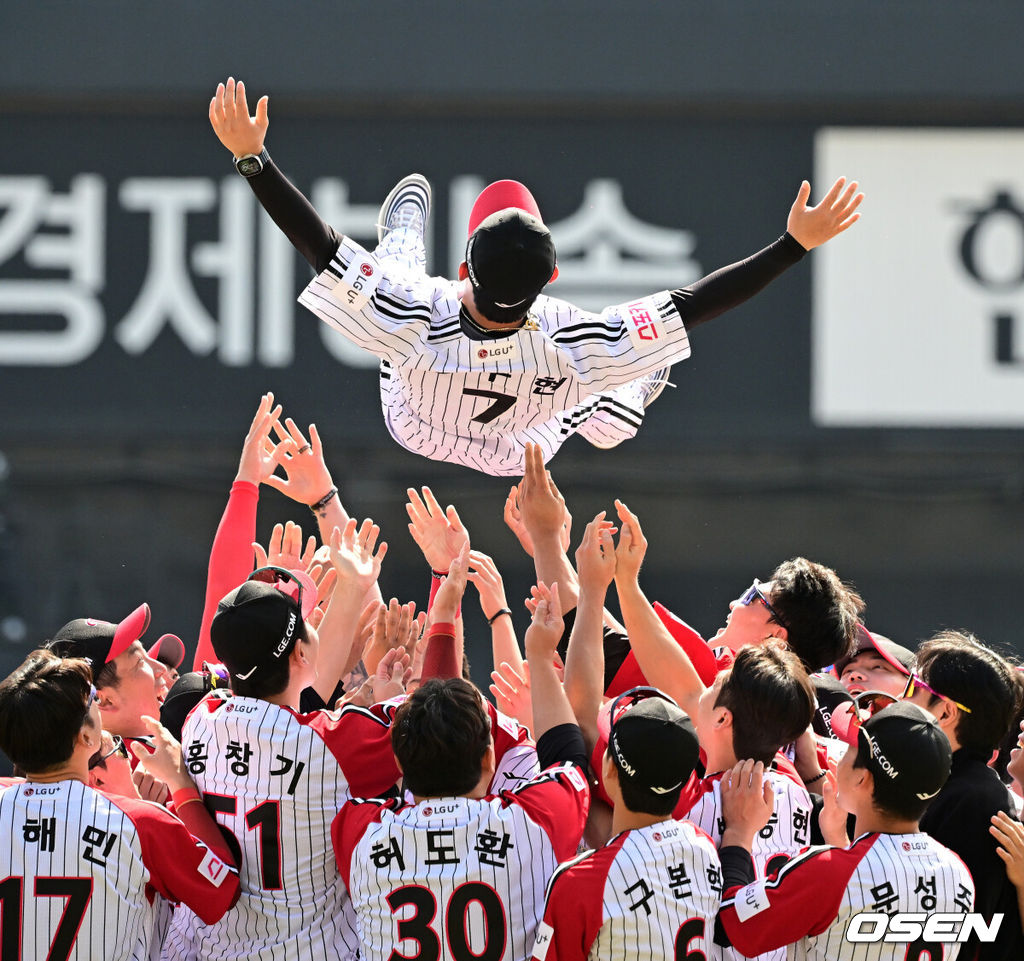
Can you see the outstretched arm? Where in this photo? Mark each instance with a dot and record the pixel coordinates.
(243, 135)
(806, 228)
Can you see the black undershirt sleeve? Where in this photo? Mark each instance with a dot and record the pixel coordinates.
(737, 871)
(311, 236)
(562, 744)
(730, 286)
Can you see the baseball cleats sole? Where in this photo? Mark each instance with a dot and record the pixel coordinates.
(408, 205)
(653, 384)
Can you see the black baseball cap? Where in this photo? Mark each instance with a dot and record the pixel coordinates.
(258, 624)
(651, 741)
(169, 650)
(510, 255)
(829, 694)
(186, 692)
(897, 656)
(907, 748)
(99, 642)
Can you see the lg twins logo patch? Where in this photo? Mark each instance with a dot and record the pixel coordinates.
(366, 270)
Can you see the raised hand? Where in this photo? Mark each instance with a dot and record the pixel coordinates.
(595, 557)
(285, 549)
(511, 690)
(307, 478)
(483, 573)
(833, 816)
(394, 626)
(546, 627)
(440, 534)
(747, 802)
(260, 456)
(449, 594)
(1010, 836)
(632, 547)
(229, 116)
(514, 521)
(541, 506)
(392, 675)
(812, 226)
(353, 557)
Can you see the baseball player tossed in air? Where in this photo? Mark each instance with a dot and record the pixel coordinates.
(82, 868)
(474, 368)
(816, 902)
(656, 885)
(460, 874)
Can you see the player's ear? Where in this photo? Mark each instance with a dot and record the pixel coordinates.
(107, 699)
(723, 718)
(463, 270)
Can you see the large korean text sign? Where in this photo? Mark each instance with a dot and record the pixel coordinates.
(919, 310)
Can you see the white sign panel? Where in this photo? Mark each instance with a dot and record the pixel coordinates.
(919, 308)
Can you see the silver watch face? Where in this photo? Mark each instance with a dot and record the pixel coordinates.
(249, 166)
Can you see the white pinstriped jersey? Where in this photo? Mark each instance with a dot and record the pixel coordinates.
(456, 878)
(477, 403)
(785, 835)
(809, 903)
(275, 780)
(649, 893)
(83, 873)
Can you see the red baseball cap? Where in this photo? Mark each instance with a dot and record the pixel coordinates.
(99, 642)
(168, 650)
(501, 195)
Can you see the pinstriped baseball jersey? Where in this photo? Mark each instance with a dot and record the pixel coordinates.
(478, 402)
(82, 872)
(785, 835)
(651, 892)
(808, 905)
(515, 754)
(275, 780)
(458, 878)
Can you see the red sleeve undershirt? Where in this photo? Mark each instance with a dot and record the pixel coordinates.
(230, 559)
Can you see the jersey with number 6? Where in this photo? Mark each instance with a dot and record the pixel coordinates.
(458, 878)
(81, 873)
(274, 780)
(649, 893)
(787, 833)
(479, 402)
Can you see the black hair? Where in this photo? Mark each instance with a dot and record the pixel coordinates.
(440, 736)
(887, 798)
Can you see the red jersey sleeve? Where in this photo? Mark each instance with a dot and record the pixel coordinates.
(350, 825)
(800, 900)
(360, 740)
(573, 911)
(181, 867)
(230, 559)
(558, 800)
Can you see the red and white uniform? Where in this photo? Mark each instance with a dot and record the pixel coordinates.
(809, 903)
(479, 402)
(275, 780)
(649, 893)
(458, 878)
(784, 836)
(82, 871)
(515, 753)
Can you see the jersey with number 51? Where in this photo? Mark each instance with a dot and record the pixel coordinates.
(274, 779)
(478, 402)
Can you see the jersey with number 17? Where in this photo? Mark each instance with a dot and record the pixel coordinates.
(274, 780)
(479, 402)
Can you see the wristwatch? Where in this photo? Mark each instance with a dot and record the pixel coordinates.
(252, 164)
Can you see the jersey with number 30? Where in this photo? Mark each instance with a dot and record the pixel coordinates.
(274, 780)
(458, 878)
(479, 402)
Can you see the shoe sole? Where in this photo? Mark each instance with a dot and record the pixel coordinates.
(391, 200)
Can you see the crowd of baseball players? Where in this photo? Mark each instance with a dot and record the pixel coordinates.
(326, 782)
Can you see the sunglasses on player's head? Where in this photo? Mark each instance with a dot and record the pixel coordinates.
(282, 578)
(915, 681)
(754, 591)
